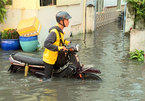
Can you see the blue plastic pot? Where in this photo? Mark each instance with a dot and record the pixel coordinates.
(10, 44)
(29, 44)
(21, 38)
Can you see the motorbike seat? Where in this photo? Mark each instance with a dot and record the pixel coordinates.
(27, 59)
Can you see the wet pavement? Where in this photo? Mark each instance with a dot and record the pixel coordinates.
(106, 49)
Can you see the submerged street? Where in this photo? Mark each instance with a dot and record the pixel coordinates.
(106, 49)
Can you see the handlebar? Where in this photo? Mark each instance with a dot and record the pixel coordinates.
(72, 48)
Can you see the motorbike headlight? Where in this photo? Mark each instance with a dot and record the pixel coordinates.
(77, 47)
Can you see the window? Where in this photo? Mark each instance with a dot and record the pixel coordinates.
(99, 5)
(59, 2)
(47, 2)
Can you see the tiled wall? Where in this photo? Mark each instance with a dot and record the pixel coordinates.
(109, 15)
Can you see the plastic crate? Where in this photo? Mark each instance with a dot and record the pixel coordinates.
(29, 27)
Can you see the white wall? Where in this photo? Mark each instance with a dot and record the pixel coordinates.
(47, 15)
(137, 40)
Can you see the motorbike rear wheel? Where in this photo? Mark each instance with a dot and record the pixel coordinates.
(91, 76)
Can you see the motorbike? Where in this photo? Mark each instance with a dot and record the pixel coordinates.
(71, 69)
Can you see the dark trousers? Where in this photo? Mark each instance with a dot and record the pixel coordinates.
(48, 70)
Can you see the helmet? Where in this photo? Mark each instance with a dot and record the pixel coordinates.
(62, 15)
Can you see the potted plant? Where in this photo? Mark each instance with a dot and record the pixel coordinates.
(10, 39)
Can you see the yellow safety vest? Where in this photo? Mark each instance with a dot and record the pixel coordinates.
(49, 56)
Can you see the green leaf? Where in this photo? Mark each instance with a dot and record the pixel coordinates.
(2, 10)
(137, 54)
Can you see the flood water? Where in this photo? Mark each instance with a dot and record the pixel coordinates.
(106, 49)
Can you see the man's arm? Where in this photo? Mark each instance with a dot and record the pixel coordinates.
(49, 42)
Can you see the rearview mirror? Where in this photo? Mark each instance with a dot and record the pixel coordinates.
(70, 34)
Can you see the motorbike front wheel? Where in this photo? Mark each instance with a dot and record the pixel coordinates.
(91, 76)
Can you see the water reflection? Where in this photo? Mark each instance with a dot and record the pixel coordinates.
(106, 49)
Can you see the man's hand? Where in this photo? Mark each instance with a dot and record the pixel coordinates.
(64, 48)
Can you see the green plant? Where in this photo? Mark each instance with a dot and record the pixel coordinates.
(9, 34)
(2, 10)
(137, 54)
(139, 9)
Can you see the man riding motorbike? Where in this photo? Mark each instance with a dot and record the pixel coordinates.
(53, 56)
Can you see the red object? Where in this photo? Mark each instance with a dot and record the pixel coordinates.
(80, 75)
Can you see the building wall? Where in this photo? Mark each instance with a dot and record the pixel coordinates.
(129, 18)
(26, 4)
(90, 17)
(137, 40)
(110, 14)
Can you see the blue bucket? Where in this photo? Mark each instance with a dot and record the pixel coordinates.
(21, 38)
(10, 44)
(29, 44)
